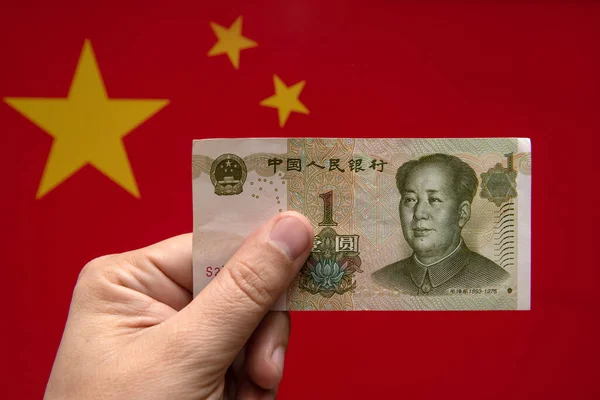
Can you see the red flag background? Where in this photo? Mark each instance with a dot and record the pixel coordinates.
(376, 68)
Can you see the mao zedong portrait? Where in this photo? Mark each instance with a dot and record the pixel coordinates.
(436, 192)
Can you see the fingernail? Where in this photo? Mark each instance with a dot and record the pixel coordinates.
(278, 358)
(291, 236)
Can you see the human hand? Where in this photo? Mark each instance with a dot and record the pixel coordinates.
(134, 331)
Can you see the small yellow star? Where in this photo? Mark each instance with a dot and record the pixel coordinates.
(230, 42)
(87, 127)
(285, 99)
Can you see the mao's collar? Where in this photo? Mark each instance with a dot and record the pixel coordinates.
(442, 270)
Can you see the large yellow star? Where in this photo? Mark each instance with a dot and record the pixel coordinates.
(230, 42)
(285, 99)
(87, 127)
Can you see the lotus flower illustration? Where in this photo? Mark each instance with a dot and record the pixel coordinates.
(327, 275)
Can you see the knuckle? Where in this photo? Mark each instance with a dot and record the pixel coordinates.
(93, 277)
(250, 283)
(86, 286)
(112, 267)
(92, 269)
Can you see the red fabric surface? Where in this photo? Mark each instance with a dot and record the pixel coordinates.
(377, 68)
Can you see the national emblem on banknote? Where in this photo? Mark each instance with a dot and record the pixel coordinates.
(228, 173)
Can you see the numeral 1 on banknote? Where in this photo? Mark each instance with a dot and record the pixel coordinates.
(334, 259)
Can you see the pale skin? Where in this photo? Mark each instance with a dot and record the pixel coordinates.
(135, 332)
(432, 218)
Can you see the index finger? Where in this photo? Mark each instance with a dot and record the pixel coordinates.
(172, 256)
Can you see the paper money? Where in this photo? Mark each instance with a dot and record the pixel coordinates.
(399, 224)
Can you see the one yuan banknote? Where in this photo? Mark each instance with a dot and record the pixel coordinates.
(399, 224)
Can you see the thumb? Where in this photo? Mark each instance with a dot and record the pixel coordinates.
(230, 308)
